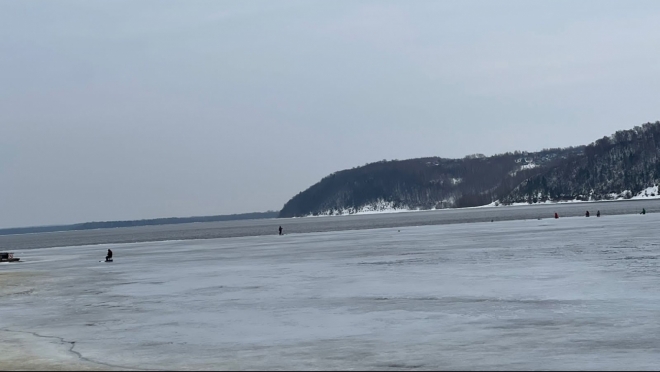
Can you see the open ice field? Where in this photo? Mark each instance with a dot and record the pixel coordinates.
(573, 293)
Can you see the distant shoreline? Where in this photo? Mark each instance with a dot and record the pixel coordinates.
(491, 205)
(268, 227)
(135, 223)
(262, 215)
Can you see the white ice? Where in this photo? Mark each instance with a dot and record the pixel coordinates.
(573, 293)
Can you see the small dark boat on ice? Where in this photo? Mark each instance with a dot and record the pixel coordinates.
(8, 257)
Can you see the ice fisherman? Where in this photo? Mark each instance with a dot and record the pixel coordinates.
(109, 255)
(556, 215)
(586, 214)
(643, 211)
(281, 230)
(598, 214)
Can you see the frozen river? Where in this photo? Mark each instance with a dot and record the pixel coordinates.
(268, 226)
(574, 293)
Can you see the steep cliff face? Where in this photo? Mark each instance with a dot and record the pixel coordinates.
(621, 165)
(424, 183)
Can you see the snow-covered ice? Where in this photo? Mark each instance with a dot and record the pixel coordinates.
(573, 293)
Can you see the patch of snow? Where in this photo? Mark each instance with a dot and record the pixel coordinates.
(499, 204)
(648, 193)
(528, 166)
(523, 167)
(456, 181)
(380, 206)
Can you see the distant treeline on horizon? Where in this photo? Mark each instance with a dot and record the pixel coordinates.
(133, 223)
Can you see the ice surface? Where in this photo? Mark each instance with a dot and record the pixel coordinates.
(573, 293)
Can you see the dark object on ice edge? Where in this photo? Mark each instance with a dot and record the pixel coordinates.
(8, 257)
(108, 257)
(586, 214)
(598, 214)
(281, 230)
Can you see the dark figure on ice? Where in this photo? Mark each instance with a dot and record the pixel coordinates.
(556, 215)
(281, 230)
(598, 214)
(643, 211)
(586, 214)
(108, 257)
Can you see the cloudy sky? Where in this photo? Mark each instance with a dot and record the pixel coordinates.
(140, 109)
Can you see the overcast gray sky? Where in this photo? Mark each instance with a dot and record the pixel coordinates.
(140, 109)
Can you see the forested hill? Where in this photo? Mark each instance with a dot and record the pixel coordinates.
(612, 167)
(424, 183)
(618, 166)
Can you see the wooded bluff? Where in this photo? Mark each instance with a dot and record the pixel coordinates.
(618, 166)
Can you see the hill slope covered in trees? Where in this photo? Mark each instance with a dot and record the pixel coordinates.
(612, 167)
(621, 165)
(424, 183)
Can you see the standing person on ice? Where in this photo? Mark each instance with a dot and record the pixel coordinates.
(556, 215)
(598, 214)
(586, 214)
(281, 230)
